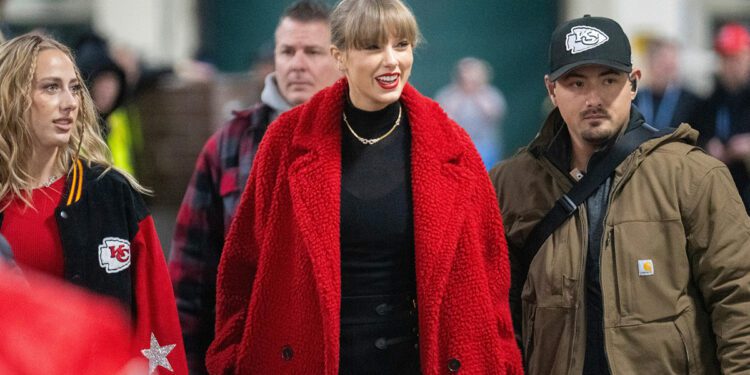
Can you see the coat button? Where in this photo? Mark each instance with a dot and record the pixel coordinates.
(287, 353)
(454, 365)
(383, 309)
(63, 214)
(381, 343)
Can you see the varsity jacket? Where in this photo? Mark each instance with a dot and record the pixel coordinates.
(110, 247)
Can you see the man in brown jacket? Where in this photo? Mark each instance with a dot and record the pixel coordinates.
(651, 273)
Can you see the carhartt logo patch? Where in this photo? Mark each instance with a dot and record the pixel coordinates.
(645, 267)
(584, 38)
(114, 254)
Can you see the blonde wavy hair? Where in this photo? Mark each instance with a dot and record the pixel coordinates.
(18, 58)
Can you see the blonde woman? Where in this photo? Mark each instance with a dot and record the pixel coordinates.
(63, 208)
(368, 239)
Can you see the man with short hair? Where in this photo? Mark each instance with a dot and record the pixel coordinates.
(641, 263)
(303, 66)
(665, 102)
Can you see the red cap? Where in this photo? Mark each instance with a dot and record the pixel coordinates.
(731, 39)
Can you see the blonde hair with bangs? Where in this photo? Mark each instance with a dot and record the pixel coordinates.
(358, 24)
(18, 58)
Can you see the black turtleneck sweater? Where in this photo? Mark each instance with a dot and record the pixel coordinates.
(377, 235)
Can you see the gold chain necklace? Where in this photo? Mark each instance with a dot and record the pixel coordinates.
(373, 141)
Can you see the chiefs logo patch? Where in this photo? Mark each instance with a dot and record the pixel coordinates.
(114, 254)
(584, 38)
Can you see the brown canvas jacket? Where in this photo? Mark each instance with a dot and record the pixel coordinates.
(675, 261)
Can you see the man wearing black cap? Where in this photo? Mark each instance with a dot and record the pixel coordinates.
(629, 246)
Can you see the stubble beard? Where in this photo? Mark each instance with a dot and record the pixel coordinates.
(598, 136)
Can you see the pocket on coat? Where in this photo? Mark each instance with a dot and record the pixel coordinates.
(653, 348)
(550, 340)
(698, 338)
(650, 270)
(527, 332)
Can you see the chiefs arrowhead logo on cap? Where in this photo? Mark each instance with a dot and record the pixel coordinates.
(114, 254)
(584, 38)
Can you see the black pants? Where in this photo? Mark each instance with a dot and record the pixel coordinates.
(379, 335)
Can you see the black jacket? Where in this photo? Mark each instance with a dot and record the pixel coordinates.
(96, 206)
(110, 247)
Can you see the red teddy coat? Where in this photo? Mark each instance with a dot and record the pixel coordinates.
(279, 281)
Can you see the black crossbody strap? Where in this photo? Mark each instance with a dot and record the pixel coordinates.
(569, 202)
(565, 207)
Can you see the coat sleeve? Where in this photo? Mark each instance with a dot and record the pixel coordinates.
(719, 249)
(518, 270)
(237, 269)
(499, 272)
(194, 255)
(156, 326)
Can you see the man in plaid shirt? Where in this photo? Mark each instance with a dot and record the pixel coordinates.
(303, 66)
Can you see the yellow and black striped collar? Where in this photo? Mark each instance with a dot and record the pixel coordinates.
(76, 185)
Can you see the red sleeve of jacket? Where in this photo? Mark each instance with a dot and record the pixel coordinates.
(154, 309)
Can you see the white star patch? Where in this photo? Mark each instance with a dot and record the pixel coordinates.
(157, 355)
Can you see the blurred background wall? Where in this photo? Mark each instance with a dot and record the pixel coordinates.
(510, 35)
(204, 49)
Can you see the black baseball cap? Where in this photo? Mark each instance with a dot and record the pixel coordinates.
(588, 40)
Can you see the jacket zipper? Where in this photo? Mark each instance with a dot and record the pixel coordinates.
(616, 185)
(607, 242)
(582, 265)
(565, 181)
(581, 292)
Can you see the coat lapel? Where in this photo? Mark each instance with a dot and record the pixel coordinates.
(315, 189)
(439, 177)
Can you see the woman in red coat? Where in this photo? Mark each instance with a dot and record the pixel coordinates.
(368, 239)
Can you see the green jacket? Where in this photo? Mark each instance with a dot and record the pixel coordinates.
(675, 261)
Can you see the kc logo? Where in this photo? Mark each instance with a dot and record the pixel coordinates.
(114, 254)
(584, 38)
